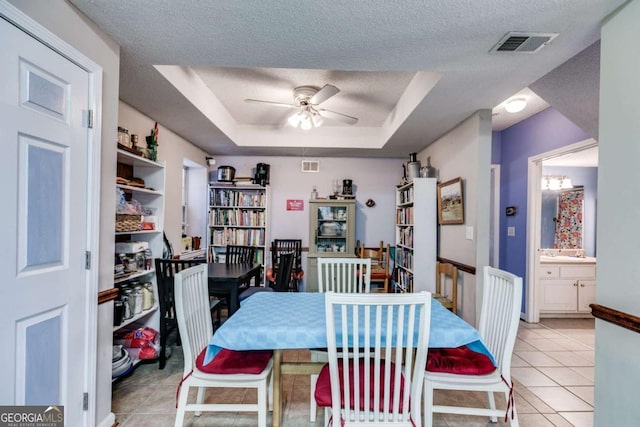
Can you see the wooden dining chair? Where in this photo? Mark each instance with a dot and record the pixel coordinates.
(278, 247)
(236, 254)
(446, 274)
(282, 281)
(380, 272)
(166, 269)
(377, 382)
(463, 369)
(229, 369)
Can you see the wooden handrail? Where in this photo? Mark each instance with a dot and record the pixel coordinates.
(107, 295)
(462, 267)
(620, 318)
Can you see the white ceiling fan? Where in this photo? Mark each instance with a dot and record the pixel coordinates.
(306, 100)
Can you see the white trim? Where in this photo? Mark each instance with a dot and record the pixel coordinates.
(31, 27)
(534, 207)
(495, 189)
(108, 421)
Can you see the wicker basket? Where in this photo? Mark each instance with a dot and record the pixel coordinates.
(127, 222)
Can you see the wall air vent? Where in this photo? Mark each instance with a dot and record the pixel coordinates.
(523, 42)
(310, 166)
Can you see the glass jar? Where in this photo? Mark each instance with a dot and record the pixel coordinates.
(137, 299)
(147, 296)
(123, 137)
(127, 301)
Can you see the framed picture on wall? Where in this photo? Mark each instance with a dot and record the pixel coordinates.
(450, 202)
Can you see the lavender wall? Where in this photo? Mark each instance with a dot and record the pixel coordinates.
(546, 131)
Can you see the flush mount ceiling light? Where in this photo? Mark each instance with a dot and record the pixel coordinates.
(515, 105)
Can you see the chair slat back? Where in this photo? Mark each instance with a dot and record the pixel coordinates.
(239, 254)
(284, 272)
(500, 314)
(166, 270)
(280, 246)
(387, 336)
(192, 311)
(347, 275)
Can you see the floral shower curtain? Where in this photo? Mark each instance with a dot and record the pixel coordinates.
(569, 220)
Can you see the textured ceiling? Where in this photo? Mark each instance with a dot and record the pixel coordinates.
(371, 51)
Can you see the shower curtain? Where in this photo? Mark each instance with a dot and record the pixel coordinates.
(569, 220)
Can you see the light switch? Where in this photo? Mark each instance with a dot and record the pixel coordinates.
(511, 231)
(469, 233)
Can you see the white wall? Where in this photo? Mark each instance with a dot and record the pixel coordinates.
(72, 27)
(465, 152)
(617, 349)
(372, 179)
(175, 152)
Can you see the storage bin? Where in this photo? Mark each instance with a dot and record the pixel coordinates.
(128, 222)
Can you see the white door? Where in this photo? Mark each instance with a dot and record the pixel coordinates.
(43, 170)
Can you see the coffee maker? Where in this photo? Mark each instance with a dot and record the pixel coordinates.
(347, 186)
(262, 174)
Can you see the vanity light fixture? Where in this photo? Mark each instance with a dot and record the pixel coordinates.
(555, 183)
(515, 105)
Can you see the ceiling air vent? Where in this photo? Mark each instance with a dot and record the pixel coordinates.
(310, 166)
(523, 42)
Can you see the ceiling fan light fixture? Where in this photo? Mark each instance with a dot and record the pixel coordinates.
(515, 105)
(316, 120)
(295, 119)
(306, 123)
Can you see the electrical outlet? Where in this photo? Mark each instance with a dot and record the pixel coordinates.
(511, 231)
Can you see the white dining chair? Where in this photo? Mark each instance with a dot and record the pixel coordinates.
(463, 369)
(344, 275)
(233, 369)
(379, 380)
(338, 275)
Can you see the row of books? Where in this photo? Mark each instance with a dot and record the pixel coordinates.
(405, 196)
(404, 215)
(404, 258)
(239, 217)
(237, 236)
(405, 236)
(231, 198)
(404, 282)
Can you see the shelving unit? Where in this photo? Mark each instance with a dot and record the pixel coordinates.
(151, 196)
(416, 235)
(332, 231)
(238, 215)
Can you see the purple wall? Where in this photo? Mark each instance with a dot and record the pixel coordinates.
(546, 131)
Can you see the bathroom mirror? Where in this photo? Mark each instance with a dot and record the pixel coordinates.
(562, 219)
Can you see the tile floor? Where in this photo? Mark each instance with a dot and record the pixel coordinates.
(553, 368)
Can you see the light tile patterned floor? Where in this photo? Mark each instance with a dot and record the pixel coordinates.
(552, 368)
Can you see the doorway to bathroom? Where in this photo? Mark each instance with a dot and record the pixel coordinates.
(562, 162)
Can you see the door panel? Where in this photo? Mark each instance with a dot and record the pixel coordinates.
(43, 281)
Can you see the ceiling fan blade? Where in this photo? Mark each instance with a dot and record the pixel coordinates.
(274, 104)
(337, 116)
(323, 94)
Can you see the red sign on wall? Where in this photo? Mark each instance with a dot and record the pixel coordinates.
(295, 204)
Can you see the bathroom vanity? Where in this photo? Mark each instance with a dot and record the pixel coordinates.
(567, 285)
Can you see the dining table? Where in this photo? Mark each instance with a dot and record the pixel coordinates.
(228, 279)
(290, 320)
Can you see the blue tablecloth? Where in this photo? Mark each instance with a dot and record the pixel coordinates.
(278, 320)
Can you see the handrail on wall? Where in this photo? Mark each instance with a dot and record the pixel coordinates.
(620, 318)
